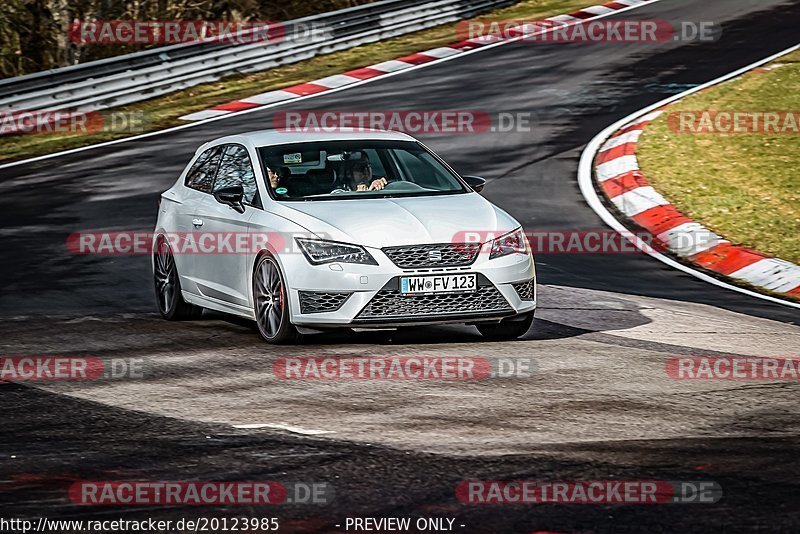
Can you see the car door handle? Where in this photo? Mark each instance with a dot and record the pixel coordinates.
(197, 222)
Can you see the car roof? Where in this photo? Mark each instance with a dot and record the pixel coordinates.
(277, 137)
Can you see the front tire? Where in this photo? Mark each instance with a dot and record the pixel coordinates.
(507, 329)
(271, 303)
(168, 287)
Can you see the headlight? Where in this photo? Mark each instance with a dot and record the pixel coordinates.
(511, 243)
(318, 252)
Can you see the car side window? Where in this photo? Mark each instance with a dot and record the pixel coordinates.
(235, 168)
(201, 175)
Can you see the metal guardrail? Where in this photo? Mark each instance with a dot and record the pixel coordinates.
(142, 75)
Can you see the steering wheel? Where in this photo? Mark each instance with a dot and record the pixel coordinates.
(401, 185)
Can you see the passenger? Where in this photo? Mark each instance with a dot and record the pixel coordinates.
(279, 178)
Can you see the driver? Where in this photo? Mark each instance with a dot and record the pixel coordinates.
(362, 178)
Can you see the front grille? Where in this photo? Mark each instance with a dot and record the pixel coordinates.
(525, 290)
(391, 304)
(320, 302)
(433, 256)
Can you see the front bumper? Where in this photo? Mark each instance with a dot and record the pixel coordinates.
(373, 299)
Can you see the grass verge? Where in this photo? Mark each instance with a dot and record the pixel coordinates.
(163, 112)
(745, 187)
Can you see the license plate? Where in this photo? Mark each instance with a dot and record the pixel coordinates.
(446, 283)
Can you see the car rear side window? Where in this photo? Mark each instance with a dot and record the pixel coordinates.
(201, 175)
(235, 168)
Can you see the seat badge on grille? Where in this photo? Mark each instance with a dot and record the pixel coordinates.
(434, 255)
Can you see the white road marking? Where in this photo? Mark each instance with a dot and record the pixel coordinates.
(287, 427)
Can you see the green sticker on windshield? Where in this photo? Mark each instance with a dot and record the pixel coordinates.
(281, 190)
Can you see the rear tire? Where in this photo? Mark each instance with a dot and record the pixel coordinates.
(168, 287)
(271, 303)
(507, 329)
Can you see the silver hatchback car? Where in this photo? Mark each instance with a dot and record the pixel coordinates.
(307, 232)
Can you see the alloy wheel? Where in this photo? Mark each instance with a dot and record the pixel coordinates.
(269, 298)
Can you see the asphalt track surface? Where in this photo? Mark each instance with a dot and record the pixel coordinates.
(599, 405)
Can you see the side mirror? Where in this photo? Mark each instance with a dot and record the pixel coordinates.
(232, 196)
(475, 182)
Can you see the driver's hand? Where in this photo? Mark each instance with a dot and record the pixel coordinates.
(378, 184)
(362, 187)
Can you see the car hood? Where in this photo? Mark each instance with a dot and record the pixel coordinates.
(382, 222)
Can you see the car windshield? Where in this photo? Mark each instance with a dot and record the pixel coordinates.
(329, 170)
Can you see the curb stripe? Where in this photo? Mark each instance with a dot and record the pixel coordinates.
(689, 239)
(660, 219)
(337, 80)
(239, 105)
(417, 59)
(623, 183)
(440, 52)
(771, 273)
(464, 45)
(364, 73)
(630, 137)
(306, 89)
(597, 10)
(486, 39)
(391, 66)
(587, 181)
(639, 126)
(203, 115)
(270, 97)
(727, 258)
(617, 167)
(563, 18)
(627, 149)
(582, 14)
(618, 175)
(639, 200)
